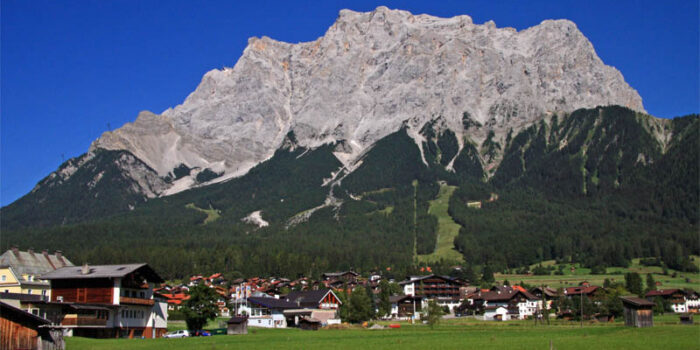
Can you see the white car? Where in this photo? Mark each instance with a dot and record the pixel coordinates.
(177, 334)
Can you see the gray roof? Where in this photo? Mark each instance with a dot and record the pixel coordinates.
(102, 271)
(32, 263)
(308, 298)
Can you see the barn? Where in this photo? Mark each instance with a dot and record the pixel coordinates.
(638, 312)
(22, 330)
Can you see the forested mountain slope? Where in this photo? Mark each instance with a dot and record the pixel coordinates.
(598, 186)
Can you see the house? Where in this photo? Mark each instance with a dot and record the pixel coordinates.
(105, 301)
(315, 299)
(19, 271)
(692, 301)
(443, 289)
(546, 294)
(237, 325)
(174, 300)
(638, 312)
(591, 292)
(22, 330)
(265, 311)
(506, 302)
(405, 306)
(676, 297)
(344, 276)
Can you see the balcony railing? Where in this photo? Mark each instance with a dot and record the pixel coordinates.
(83, 321)
(136, 301)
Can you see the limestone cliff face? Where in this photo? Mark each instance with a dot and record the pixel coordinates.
(367, 76)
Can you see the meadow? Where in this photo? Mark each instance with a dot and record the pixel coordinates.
(450, 334)
(572, 277)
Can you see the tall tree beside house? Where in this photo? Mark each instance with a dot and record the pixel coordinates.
(651, 284)
(661, 306)
(434, 314)
(487, 276)
(384, 303)
(360, 306)
(200, 307)
(633, 283)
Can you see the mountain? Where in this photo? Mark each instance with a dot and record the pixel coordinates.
(368, 75)
(325, 155)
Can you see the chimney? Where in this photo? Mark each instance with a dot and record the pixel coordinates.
(31, 251)
(15, 251)
(59, 257)
(85, 269)
(45, 253)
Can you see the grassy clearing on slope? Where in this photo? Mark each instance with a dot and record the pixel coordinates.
(458, 334)
(212, 214)
(447, 228)
(615, 274)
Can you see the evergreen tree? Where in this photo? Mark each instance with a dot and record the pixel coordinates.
(434, 313)
(384, 303)
(487, 274)
(633, 283)
(200, 307)
(651, 284)
(360, 306)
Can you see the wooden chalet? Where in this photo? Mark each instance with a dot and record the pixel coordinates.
(443, 289)
(591, 292)
(676, 297)
(22, 330)
(344, 276)
(506, 302)
(638, 312)
(405, 306)
(106, 301)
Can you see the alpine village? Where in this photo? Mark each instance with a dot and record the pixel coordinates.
(411, 180)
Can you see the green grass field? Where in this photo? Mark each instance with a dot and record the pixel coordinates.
(447, 229)
(451, 334)
(616, 274)
(212, 214)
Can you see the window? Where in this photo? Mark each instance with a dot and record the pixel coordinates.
(3, 278)
(29, 291)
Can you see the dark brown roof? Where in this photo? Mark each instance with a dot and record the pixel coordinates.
(8, 311)
(663, 292)
(504, 294)
(632, 300)
(103, 271)
(578, 290)
(413, 279)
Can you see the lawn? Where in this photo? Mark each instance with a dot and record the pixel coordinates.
(447, 228)
(452, 334)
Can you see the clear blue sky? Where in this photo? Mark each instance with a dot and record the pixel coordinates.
(68, 69)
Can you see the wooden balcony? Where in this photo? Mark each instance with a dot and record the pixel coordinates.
(136, 301)
(72, 320)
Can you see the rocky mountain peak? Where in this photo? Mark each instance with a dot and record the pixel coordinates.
(370, 74)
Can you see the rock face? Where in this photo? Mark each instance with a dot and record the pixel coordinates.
(367, 76)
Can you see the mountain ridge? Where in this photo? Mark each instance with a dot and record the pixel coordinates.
(368, 75)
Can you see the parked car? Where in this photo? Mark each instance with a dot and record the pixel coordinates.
(183, 333)
(202, 333)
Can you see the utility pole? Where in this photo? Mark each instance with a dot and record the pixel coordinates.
(581, 307)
